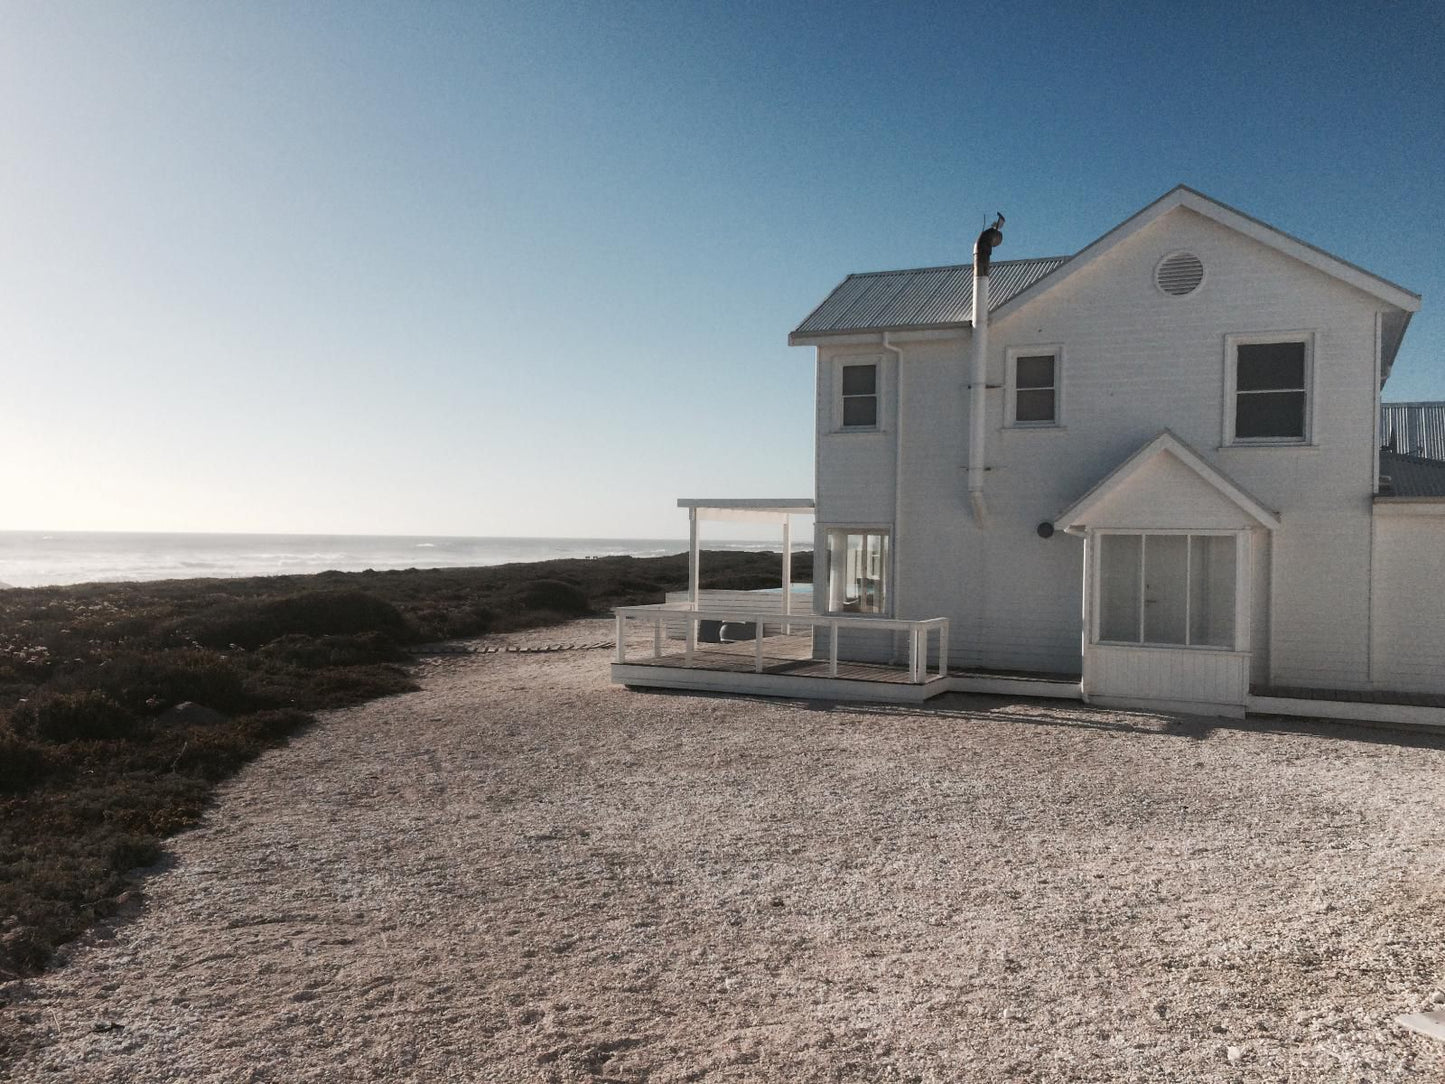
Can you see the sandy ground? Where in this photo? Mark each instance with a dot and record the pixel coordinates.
(521, 873)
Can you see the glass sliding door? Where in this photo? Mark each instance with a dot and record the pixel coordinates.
(857, 572)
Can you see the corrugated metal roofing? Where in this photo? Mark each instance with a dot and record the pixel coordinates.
(923, 297)
(1411, 475)
(1414, 428)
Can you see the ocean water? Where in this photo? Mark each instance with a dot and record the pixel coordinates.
(34, 559)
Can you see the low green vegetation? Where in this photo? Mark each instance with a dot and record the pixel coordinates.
(122, 705)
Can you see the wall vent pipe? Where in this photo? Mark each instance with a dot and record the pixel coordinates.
(983, 248)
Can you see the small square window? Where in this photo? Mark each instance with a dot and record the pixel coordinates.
(1033, 386)
(1269, 390)
(860, 396)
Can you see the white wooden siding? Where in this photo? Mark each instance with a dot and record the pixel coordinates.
(1138, 361)
(1187, 675)
(1408, 641)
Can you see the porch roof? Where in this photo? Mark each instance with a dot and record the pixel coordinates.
(754, 509)
(1077, 517)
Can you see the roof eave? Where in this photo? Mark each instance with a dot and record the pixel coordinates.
(819, 338)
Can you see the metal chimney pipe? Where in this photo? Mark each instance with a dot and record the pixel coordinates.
(978, 402)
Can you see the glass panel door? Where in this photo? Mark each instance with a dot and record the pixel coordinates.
(1166, 588)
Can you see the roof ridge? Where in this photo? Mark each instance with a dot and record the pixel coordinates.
(950, 267)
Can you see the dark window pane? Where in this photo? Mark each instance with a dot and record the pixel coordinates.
(860, 410)
(1035, 372)
(1265, 366)
(1034, 406)
(860, 379)
(1270, 414)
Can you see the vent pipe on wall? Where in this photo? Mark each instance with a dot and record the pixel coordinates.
(983, 248)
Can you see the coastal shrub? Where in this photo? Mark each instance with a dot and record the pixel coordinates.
(22, 763)
(65, 717)
(147, 682)
(555, 596)
(338, 688)
(314, 652)
(129, 852)
(249, 623)
(278, 723)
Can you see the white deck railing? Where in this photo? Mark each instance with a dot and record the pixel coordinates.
(672, 614)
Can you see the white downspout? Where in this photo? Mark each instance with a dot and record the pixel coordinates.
(897, 459)
(897, 480)
(978, 386)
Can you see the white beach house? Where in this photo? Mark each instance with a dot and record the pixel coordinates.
(1148, 474)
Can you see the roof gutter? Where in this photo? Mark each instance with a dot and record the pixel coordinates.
(983, 248)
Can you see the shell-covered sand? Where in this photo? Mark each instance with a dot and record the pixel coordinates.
(523, 873)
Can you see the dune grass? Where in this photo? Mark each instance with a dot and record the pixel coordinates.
(98, 761)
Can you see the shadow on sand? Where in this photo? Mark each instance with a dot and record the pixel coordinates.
(1031, 711)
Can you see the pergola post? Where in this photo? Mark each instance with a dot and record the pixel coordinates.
(787, 565)
(692, 557)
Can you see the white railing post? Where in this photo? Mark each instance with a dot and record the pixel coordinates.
(757, 647)
(621, 637)
(943, 650)
(832, 649)
(691, 636)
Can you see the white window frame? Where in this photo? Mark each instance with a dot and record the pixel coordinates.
(886, 571)
(841, 360)
(1241, 639)
(1232, 343)
(1056, 351)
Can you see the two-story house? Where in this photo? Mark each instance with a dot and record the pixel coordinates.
(1148, 472)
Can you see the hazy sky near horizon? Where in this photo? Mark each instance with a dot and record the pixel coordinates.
(529, 269)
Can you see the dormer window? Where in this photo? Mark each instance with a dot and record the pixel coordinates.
(860, 396)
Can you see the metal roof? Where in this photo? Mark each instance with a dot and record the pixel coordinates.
(1411, 475)
(1414, 429)
(920, 298)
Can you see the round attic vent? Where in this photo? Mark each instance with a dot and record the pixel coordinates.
(1179, 273)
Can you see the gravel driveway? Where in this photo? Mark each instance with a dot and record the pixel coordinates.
(522, 873)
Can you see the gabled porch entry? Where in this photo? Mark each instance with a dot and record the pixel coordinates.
(1173, 550)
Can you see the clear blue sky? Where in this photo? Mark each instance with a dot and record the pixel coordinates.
(529, 269)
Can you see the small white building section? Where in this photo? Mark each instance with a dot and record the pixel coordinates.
(1147, 474)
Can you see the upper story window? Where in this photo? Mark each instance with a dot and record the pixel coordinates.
(1269, 382)
(859, 383)
(857, 571)
(1033, 386)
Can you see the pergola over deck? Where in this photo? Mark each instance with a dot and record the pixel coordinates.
(777, 510)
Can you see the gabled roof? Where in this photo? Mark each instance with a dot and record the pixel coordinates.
(919, 299)
(1077, 516)
(937, 297)
(1411, 475)
(1184, 196)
